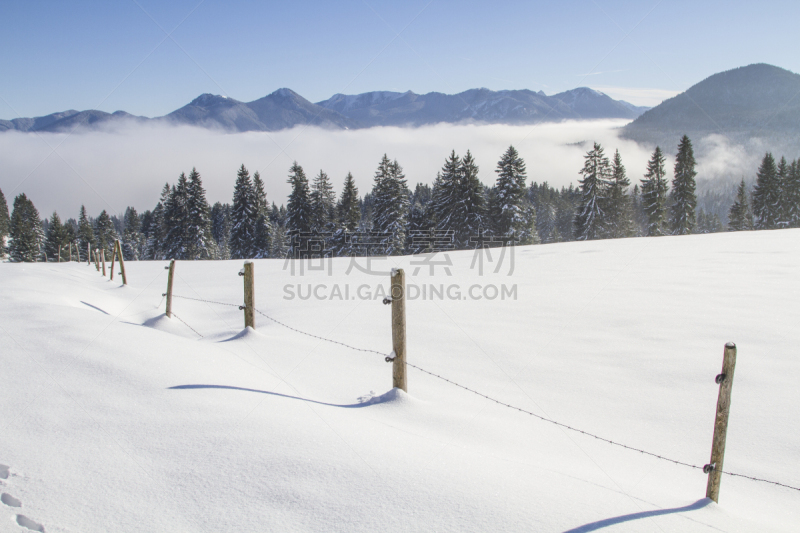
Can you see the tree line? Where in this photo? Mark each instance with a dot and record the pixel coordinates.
(456, 212)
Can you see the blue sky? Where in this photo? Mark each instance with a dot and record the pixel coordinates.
(113, 55)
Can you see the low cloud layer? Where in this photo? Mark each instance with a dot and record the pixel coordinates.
(129, 166)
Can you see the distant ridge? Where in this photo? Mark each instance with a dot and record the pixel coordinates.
(758, 100)
(285, 108)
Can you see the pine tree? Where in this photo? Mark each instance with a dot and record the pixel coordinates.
(349, 212)
(104, 233)
(591, 219)
(244, 216)
(682, 218)
(57, 238)
(323, 203)
(85, 234)
(784, 170)
(508, 210)
(620, 206)
(740, 218)
(766, 195)
(177, 220)
(155, 240)
(132, 238)
(25, 231)
(445, 193)
(198, 241)
(263, 229)
(654, 195)
(471, 216)
(221, 228)
(4, 223)
(391, 201)
(298, 212)
(792, 195)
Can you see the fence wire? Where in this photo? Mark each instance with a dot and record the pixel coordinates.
(389, 358)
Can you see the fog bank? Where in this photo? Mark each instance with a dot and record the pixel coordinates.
(129, 165)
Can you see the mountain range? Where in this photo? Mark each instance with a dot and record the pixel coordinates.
(285, 108)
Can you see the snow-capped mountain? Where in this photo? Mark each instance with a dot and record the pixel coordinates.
(285, 108)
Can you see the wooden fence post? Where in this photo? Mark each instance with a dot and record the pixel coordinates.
(88, 254)
(398, 295)
(121, 264)
(249, 295)
(103, 259)
(171, 268)
(59, 254)
(725, 380)
(113, 258)
(70, 252)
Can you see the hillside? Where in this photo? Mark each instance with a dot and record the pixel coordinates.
(115, 418)
(754, 101)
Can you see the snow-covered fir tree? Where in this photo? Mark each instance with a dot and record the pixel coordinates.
(5, 221)
(783, 171)
(104, 233)
(390, 203)
(263, 235)
(199, 242)
(323, 203)
(57, 237)
(766, 195)
(244, 216)
(298, 212)
(682, 217)
(471, 214)
(654, 195)
(791, 194)
(85, 235)
(177, 220)
(590, 220)
(221, 228)
(133, 242)
(25, 231)
(740, 217)
(620, 206)
(349, 212)
(445, 193)
(512, 216)
(156, 237)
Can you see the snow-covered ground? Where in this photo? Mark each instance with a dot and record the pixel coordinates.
(115, 418)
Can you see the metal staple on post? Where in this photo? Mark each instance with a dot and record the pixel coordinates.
(725, 380)
(398, 301)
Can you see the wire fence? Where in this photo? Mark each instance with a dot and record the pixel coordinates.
(389, 358)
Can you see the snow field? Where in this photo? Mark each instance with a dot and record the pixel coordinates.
(114, 417)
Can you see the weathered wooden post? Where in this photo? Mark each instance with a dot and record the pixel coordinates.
(96, 260)
(725, 380)
(168, 294)
(398, 294)
(113, 258)
(121, 264)
(88, 254)
(249, 295)
(103, 259)
(70, 252)
(59, 254)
